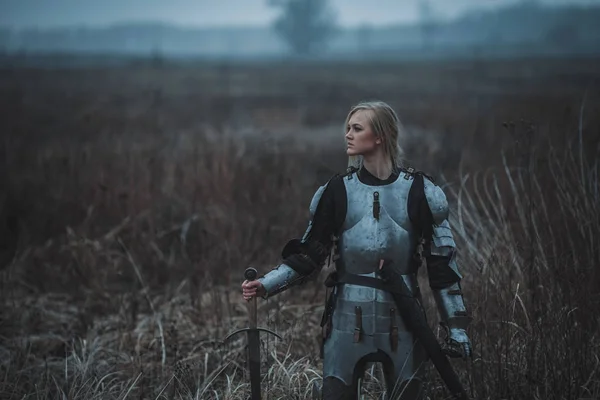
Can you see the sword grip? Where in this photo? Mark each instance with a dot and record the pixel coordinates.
(250, 274)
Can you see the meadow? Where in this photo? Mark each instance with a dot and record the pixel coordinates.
(134, 197)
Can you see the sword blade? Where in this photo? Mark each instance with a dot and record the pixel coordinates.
(254, 363)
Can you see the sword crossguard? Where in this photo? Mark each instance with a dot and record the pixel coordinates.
(253, 352)
(250, 274)
(232, 334)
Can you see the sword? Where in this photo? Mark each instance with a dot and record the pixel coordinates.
(253, 332)
(413, 314)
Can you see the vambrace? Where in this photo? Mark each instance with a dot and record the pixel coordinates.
(442, 245)
(279, 279)
(451, 306)
(444, 278)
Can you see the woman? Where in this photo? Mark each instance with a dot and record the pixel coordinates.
(376, 213)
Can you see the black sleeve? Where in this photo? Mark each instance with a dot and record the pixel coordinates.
(309, 254)
(438, 270)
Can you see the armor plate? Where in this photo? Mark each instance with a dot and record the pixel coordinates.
(369, 236)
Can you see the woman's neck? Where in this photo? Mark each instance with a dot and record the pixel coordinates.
(378, 165)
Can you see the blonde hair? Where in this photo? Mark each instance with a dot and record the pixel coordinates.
(385, 125)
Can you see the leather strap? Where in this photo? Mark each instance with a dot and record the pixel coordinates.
(368, 281)
(393, 330)
(358, 328)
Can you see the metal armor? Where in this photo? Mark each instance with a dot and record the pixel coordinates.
(365, 319)
(377, 227)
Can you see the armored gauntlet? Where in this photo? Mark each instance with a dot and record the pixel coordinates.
(454, 319)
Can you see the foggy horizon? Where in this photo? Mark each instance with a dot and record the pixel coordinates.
(37, 14)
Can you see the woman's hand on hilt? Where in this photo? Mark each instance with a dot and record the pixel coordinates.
(252, 289)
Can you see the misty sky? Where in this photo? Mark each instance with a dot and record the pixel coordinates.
(205, 13)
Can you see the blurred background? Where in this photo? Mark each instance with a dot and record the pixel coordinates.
(152, 150)
(352, 30)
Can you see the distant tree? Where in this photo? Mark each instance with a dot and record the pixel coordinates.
(4, 39)
(364, 35)
(427, 23)
(562, 35)
(305, 25)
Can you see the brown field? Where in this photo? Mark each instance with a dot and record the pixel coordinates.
(134, 198)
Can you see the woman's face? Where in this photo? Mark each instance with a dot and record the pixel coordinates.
(360, 138)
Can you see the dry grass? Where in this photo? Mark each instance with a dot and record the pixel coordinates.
(135, 225)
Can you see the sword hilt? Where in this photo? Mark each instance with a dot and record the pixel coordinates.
(250, 275)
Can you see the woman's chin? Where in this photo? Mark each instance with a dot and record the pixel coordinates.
(351, 152)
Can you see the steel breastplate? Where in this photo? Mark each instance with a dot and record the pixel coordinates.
(366, 238)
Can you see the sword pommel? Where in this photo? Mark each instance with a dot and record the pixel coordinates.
(250, 274)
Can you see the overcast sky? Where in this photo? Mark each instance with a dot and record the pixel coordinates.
(204, 13)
